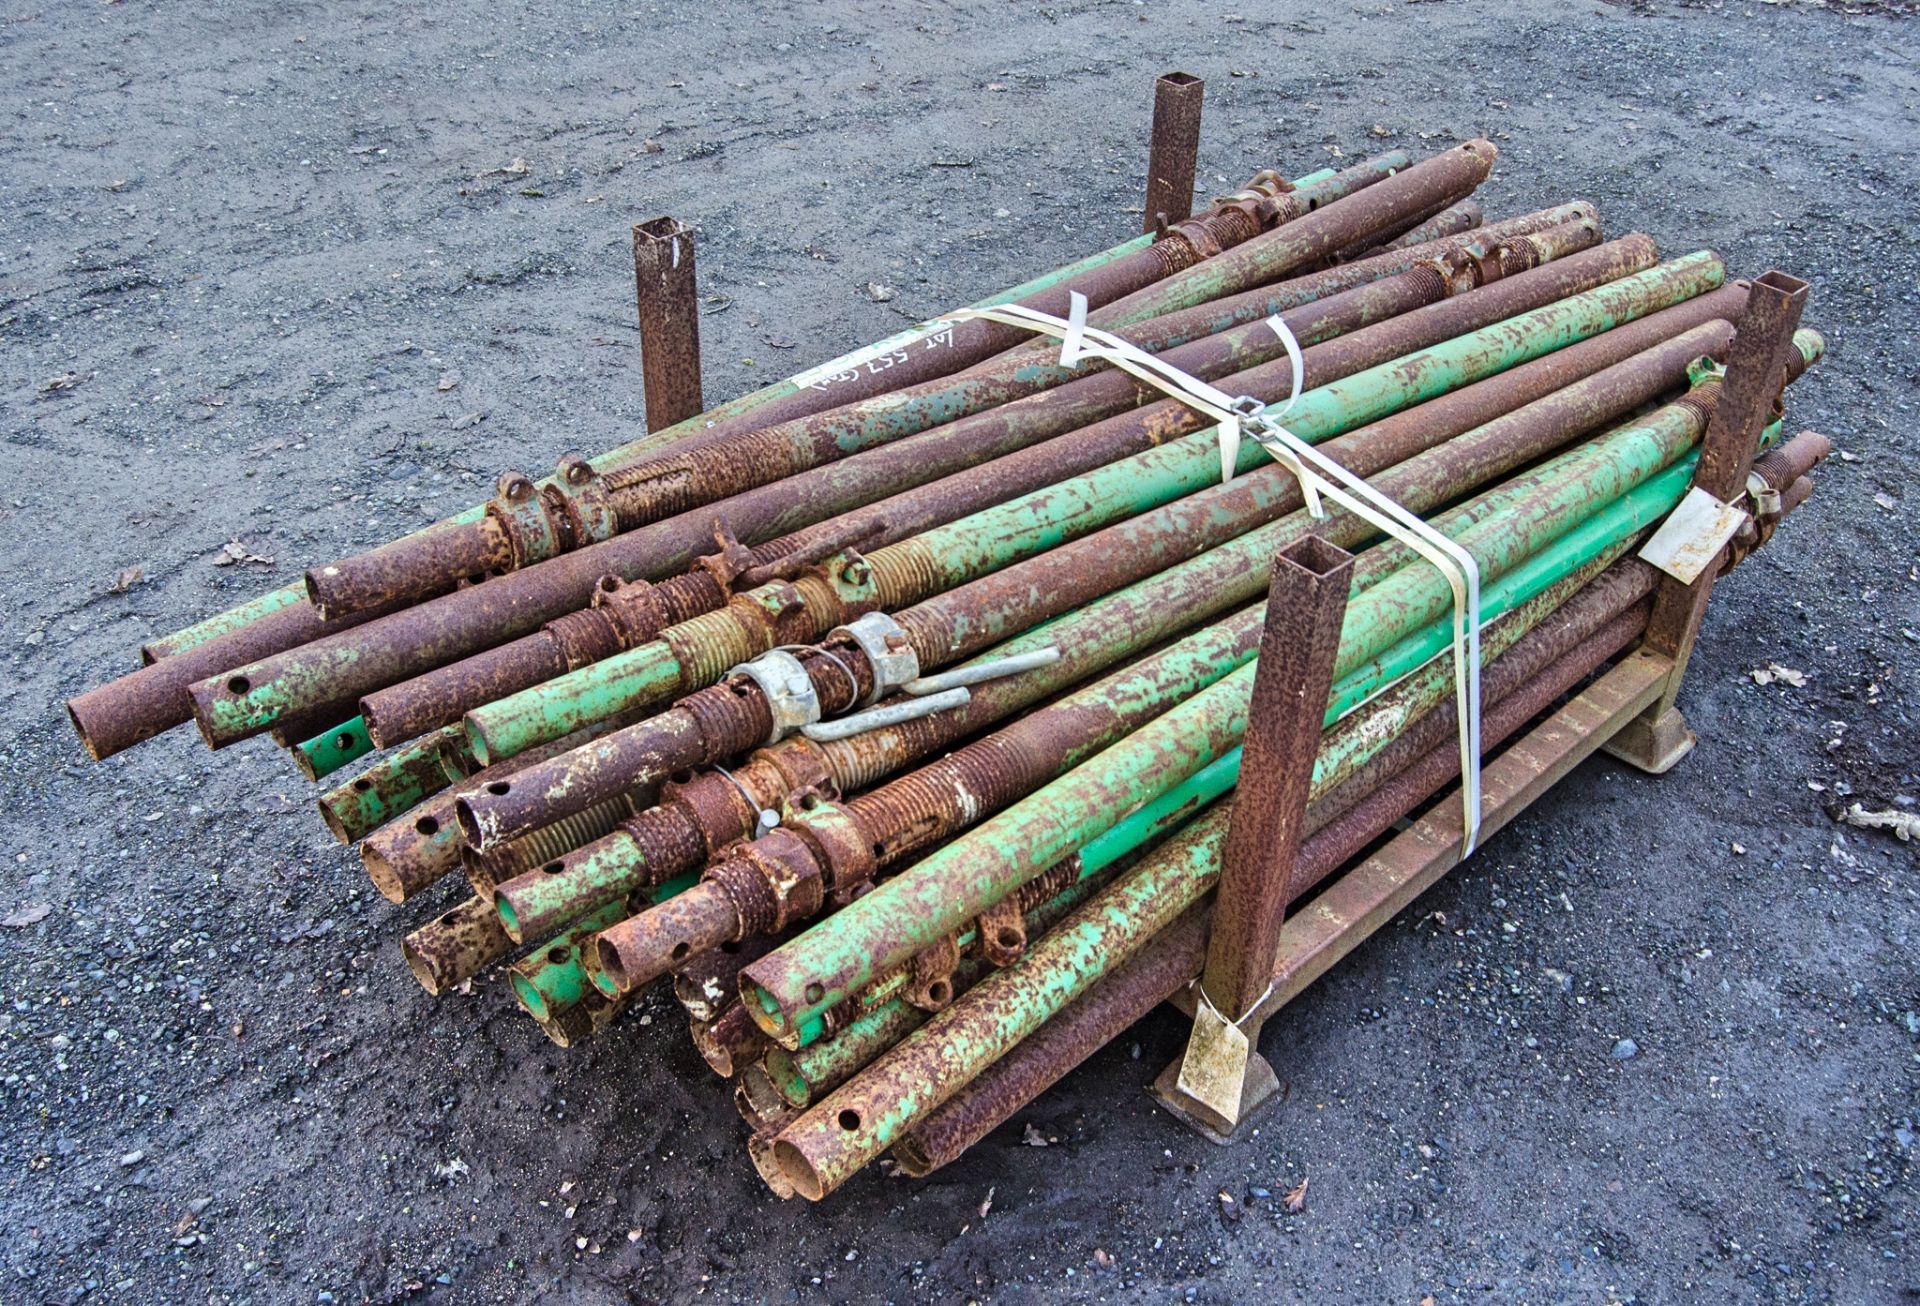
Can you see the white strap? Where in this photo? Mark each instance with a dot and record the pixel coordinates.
(1318, 476)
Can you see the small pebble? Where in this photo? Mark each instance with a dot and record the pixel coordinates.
(1625, 1050)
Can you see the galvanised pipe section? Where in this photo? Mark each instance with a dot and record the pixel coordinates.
(953, 451)
(901, 390)
(671, 839)
(656, 671)
(821, 966)
(714, 724)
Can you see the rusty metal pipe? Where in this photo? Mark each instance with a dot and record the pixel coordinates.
(143, 703)
(961, 621)
(894, 1095)
(456, 946)
(678, 837)
(946, 556)
(905, 384)
(644, 851)
(1062, 420)
(729, 1041)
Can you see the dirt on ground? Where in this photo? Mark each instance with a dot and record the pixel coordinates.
(304, 276)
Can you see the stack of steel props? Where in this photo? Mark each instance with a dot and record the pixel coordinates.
(574, 682)
(649, 854)
(1564, 595)
(136, 707)
(988, 539)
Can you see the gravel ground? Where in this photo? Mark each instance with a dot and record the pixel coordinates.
(246, 244)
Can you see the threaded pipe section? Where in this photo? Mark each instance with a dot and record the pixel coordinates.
(1699, 404)
(752, 897)
(906, 572)
(933, 631)
(669, 842)
(708, 645)
(550, 842)
(583, 637)
(933, 801)
(730, 720)
(861, 761)
(690, 595)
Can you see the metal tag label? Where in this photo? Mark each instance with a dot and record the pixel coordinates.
(1214, 1071)
(1692, 536)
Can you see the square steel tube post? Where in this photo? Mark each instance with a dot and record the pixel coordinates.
(1176, 150)
(666, 289)
(1306, 605)
(1756, 374)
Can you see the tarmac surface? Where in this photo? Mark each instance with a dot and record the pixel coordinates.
(304, 276)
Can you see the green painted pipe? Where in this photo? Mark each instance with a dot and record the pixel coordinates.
(1034, 522)
(1092, 638)
(821, 1063)
(388, 788)
(865, 1116)
(252, 610)
(839, 956)
(332, 749)
(391, 786)
(551, 978)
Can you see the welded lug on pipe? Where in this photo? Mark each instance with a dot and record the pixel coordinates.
(1176, 147)
(698, 817)
(756, 887)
